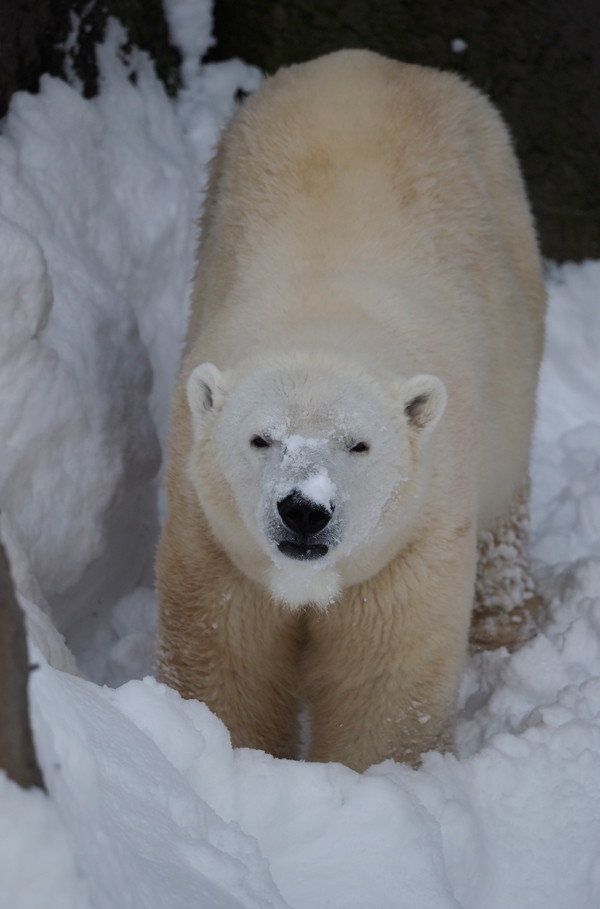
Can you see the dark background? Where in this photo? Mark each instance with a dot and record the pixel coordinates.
(539, 61)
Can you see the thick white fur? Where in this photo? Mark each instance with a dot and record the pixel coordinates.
(367, 268)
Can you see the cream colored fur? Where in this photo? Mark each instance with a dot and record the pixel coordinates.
(367, 253)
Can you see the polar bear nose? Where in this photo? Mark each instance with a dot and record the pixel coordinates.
(302, 516)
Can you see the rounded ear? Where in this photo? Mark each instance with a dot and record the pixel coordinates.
(205, 393)
(424, 398)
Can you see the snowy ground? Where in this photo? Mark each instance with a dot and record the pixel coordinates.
(149, 806)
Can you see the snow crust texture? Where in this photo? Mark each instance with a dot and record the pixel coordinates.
(148, 805)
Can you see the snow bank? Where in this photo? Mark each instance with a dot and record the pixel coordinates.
(149, 805)
(97, 240)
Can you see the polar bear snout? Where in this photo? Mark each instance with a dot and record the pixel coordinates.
(305, 519)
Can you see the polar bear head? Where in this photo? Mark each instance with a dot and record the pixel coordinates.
(308, 470)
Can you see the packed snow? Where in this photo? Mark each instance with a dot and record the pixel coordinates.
(148, 805)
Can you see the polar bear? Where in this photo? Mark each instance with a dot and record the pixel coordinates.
(354, 406)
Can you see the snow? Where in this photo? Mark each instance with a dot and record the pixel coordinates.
(318, 488)
(458, 46)
(148, 805)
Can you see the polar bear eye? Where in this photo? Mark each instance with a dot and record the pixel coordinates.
(259, 442)
(359, 448)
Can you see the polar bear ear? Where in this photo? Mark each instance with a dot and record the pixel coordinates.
(205, 393)
(424, 399)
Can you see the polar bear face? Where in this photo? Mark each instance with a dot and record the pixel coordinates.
(306, 473)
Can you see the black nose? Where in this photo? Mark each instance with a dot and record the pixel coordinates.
(302, 516)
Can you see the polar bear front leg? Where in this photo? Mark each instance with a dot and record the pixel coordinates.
(244, 671)
(383, 665)
(223, 641)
